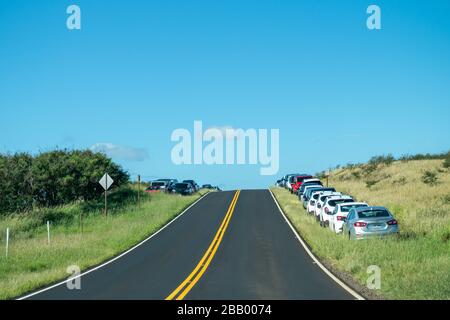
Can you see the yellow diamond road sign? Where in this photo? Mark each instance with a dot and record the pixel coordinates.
(106, 181)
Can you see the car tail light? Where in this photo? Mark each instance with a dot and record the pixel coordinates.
(319, 206)
(313, 202)
(326, 210)
(392, 222)
(360, 224)
(339, 218)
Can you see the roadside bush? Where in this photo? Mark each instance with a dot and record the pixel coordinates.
(399, 181)
(426, 156)
(53, 178)
(384, 159)
(371, 183)
(430, 178)
(446, 163)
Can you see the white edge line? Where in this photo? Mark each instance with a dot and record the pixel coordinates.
(115, 258)
(331, 275)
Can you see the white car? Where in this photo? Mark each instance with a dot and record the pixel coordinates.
(311, 207)
(340, 212)
(290, 180)
(321, 200)
(328, 208)
(302, 198)
(313, 180)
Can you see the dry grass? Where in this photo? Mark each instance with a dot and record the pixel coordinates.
(414, 266)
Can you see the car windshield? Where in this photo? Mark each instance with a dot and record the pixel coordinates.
(373, 214)
(158, 184)
(316, 196)
(336, 201)
(349, 207)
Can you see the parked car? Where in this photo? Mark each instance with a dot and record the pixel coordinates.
(168, 183)
(313, 200)
(184, 188)
(193, 184)
(321, 201)
(207, 186)
(291, 181)
(280, 182)
(301, 190)
(310, 189)
(171, 186)
(328, 208)
(286, 180)
(340, 213)
(366, 222)
(156, 186)
(298, 181)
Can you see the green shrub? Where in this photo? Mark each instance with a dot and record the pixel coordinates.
(446, 163)
(371, 183)
(399, 181)
(387, 160)
(53, 178)
(430, 177)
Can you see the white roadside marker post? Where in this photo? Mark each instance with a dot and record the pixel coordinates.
(7, 242)
(48, 232)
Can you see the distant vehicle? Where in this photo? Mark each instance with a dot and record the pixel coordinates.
(367, 222)
(168, 183)
(171, 185)
(328, 208)
(193, 184)
(184, 188)
(279, 182)
(207, 186)
(290, 181)
(156, 186)
(340, 213)
(298, 181)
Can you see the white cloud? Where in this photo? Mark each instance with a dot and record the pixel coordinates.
(120, 152)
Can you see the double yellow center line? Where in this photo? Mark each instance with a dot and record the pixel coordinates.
(183, 289)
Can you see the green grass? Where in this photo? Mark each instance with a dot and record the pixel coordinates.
(32, 263)
(414, 266)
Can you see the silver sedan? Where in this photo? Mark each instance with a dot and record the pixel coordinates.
(367, 222)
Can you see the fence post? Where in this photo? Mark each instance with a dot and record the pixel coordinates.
(7, 241)
(48, 232)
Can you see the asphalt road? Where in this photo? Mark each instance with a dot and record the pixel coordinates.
(256, 257)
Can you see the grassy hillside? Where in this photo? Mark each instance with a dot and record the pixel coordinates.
(33, 263)
(414, 266)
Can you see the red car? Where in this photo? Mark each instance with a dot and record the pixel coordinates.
(155, 186)
(298, 182)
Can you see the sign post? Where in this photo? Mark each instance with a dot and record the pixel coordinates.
(328, 175)
(106, 181)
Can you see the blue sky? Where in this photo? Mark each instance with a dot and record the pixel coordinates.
(137, 70)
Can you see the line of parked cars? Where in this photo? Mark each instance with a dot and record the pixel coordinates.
(339, 212)
(173, 186)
